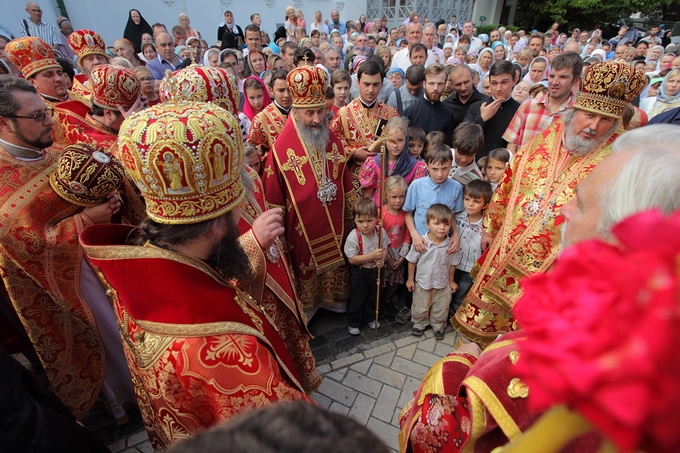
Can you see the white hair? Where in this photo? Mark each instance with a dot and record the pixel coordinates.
(649, 179)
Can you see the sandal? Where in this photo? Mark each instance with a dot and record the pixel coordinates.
(404, 316)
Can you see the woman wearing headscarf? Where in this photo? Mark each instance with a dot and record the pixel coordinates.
(668, 97)
(484, 61)
(538, 70)
(134, 29)
(185, 23)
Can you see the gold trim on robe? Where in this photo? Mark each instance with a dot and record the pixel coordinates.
(524, 219)
(40, 266)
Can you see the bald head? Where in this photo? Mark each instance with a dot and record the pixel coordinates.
(34, 10)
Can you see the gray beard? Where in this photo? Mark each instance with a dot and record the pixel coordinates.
(314, 139)
(582, 146)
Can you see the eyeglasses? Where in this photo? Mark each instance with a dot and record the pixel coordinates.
(38, 117)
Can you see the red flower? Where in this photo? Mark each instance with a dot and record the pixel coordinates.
(603, 334)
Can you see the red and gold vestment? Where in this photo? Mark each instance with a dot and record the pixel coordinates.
(274, 287)
(266, 127)
(356, 126)
(199, 349)
(524, 220)
(314, 230)
(40, 265)
(474, 405)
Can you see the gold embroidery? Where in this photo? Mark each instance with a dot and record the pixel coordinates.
(514, 357)
(517, 389)
(295, 164)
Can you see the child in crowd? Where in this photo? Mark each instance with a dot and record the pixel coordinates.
(436, 188)
(496, 164)
(399, 161)
(251, 157)
(431, 274)
(340, 81)
(481, 163)
(434, 138)
(365, 257)
(416, 141)
(330, 102)
(400, 240)
(476, 197)
(468, 139)
(256, 97)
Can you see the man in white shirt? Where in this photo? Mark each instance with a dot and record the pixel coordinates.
(414, 35)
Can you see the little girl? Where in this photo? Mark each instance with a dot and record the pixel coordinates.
(496, 163)
(256, 98)
(399, 161)
(393, 221)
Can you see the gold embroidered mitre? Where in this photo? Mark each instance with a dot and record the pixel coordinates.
(185, 159)
(202, 84)
(609, 87)
(86, 175)
(308, 86)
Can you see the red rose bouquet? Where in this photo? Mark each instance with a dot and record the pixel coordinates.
(603, 334)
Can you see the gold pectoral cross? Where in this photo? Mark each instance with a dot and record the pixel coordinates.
(295, 164)
(336, 158)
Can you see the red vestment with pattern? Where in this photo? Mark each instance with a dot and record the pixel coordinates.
(274, 288)
(40, 264)
(73, 124)
(474, 405)
(199, 349)
(524, 220)
(266, 127)
(314, 230)
(356, 127)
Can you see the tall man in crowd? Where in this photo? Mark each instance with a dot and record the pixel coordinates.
(495, 113)
(357, 123)
(306, 176)
(522, 222)
(166, 57)
(414, 35)
(535, 116)
(464, 93)
(429, 113)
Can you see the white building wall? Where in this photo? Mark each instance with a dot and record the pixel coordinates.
(491, 9)
(108, 18)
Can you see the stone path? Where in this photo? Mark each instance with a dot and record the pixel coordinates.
(369, 378)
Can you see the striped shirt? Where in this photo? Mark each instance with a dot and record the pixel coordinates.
(47, 32)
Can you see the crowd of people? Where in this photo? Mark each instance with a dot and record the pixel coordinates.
(202, 200)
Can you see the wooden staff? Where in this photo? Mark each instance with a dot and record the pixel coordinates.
(383, 173)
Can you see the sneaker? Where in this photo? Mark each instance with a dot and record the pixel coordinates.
(354, 330)
(374, 325)
(416, 332)
(439, 334)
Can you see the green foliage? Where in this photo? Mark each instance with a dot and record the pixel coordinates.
(540, 14)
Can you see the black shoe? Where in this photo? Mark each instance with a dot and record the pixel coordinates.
(439, 334)
(416, 332)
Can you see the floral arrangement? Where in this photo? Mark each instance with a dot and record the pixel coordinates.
(603, 335)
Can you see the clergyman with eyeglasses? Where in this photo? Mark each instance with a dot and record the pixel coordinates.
(42, 266)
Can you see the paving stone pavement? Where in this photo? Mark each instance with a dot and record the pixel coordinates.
(369, 377)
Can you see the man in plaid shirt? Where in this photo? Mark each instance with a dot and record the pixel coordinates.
(535, 115)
